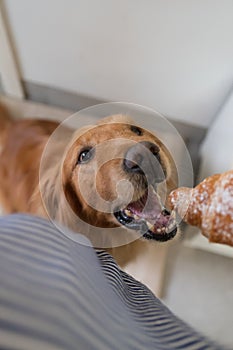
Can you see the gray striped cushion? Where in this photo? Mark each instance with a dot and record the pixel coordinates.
(56, 293)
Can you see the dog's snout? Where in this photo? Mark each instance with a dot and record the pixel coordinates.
(144, 158)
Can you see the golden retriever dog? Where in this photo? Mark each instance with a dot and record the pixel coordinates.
(108, 175)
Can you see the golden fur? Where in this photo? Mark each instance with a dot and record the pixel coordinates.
(22, 146)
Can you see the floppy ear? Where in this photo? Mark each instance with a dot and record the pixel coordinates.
(60, 200)
(71, 197)
(50, 194)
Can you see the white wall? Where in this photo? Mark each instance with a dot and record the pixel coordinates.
(216, 150)
(175, 56)
(217, 157)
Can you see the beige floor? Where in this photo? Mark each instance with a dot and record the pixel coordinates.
(199, 289)
(198, 285)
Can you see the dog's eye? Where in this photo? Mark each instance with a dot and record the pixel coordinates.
(136, 130)
(85, 155)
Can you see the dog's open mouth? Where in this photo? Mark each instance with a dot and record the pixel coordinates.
(148, 216)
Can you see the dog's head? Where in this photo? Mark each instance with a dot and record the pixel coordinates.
(115, 174)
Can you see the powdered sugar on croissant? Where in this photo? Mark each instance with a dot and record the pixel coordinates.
(208, 206)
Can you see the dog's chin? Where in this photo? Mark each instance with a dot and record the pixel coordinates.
(149, 217)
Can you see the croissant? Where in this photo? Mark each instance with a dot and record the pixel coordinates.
(208, 206)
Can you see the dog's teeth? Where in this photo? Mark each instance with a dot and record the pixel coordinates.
(150, 226)
(128, 212)
(171, 226)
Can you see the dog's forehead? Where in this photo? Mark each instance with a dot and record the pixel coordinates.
(105, 127)
(104, 131)
(117, 118)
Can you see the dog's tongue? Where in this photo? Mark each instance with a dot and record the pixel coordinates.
(148, 206)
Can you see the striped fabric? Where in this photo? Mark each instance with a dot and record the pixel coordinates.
(56, 293)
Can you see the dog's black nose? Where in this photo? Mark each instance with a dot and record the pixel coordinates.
(143, 158)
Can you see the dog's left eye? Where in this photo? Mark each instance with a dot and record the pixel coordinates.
(85, 155)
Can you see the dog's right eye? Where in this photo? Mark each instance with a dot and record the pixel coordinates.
(85, 155)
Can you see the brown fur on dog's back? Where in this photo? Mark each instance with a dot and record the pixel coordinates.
(22, 148)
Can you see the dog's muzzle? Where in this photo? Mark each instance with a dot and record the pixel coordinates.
(146, 214)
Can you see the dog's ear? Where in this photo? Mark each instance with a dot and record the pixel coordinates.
(71, 197)
(61, 202)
